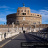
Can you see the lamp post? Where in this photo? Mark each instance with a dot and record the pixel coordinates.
(35, 25)
(31, 28)
(8, 26)
(22, 27)
(39, 26)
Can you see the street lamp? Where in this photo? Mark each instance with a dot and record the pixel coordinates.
(39, 26)
(22, 26)
(31, 28)
(8, 26)
(35, 25)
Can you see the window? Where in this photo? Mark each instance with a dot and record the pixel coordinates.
(17, 22)
(31, 14)
(21, 10)
(37, 15)
(23, 13)
(18, 10)
(18, 13)
(40, 15)
(28, 11)
(25, 10)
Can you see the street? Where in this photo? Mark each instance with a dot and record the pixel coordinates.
(16, 41)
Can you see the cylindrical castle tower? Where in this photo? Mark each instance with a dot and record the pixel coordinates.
(24, 16)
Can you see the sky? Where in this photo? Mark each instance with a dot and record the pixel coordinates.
(36, 6)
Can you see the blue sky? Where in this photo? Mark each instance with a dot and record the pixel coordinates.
(36, 6)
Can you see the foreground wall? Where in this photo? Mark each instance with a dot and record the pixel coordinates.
(19, 29)
(5, 28)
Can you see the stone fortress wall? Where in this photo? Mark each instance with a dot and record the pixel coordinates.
(24, 16)
(4, 28)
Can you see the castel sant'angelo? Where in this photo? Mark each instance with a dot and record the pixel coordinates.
(24, 19)
(24, 16)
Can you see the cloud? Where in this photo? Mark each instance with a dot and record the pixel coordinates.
(3, 14)
(4, 11)
(46, 8)
(2, 20)
(4, 6)
(44, 14)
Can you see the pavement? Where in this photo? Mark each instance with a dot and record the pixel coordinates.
(19, 40)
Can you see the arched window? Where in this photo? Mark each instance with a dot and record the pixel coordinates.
(21, 10)
(31, 14)
(28, 11)
(18, 13)
(23, 13)
(18, 10)
(25, 10)
(37, 15)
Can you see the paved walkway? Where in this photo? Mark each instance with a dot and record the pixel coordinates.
(15, 42)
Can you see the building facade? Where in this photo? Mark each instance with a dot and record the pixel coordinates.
(24, 16)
